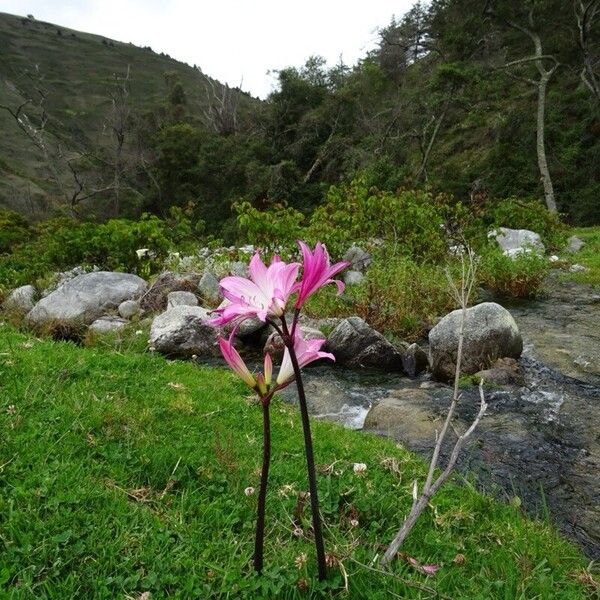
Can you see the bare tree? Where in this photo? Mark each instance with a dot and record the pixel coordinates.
(118, 124)
(546, 65)
(434, 482)
(221, 112)
(57, 160)
(587, 14)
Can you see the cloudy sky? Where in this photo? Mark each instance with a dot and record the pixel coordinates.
(230, 40)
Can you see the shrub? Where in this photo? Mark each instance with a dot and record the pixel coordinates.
(273, 229)
(528, 213)
(14, 229)
(521, 276)
(398, 296)
(63, 243)
(413, 223)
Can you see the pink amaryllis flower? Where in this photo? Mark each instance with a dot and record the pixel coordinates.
(317, 271)
(235, 361)
(262, 382)
(265, 294)
(307, 351)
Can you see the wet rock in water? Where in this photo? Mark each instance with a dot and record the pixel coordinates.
(574, 244)
(414, 360)
(209, 289)
(108, 325)
(21, 299)
(356, 344)
(357, 258)
(408, 416)
(353, 277)
(184, 331)
(86, 298)
(129, 309)
(490, 333)
(181, 299)
(155, 298)
(275, 346)
(505, 371)
(517, 241)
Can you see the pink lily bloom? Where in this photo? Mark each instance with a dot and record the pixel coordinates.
(264, 295)
(307, 351)
(235, 361)
(317, 271)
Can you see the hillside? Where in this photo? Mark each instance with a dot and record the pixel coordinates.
(77, 72)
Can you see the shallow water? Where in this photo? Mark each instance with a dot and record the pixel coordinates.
(540, 442)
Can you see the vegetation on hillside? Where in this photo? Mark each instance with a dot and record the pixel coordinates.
(115, 485)
(450, 100)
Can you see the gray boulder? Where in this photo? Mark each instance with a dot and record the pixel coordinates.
(184, 331)
(490, 333)
(181, 299)
(414, 360)
(129, 309)
(86, 298)
(574, 244)
(357, 258)
(108, 325)
(209, 289)
(356, 344)
(517, 241)
(21, 300)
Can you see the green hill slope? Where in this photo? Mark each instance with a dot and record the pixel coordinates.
(77, 72)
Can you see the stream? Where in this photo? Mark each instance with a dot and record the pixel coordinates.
(540, 442)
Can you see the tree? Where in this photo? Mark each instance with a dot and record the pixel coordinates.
(546, 65)
(587, 15)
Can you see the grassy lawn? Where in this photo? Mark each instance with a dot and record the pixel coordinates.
(588, 256)
(122, 473)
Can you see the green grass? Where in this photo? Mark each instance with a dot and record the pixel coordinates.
(121, 472)
(588, 256)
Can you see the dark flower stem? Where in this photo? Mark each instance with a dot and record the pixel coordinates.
(262, 493)
(310, 459)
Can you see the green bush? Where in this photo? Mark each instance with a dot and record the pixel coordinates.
(398, 296)
(527, 213)
(413, 223)
(276, 228)
(14, 229)
(520, 276)
(63, 243)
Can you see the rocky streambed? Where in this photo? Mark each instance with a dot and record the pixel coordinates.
(539, 441)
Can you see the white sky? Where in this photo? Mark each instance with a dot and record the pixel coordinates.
(228, 39)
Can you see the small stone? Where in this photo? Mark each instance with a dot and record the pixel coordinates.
(209, 289)
(181, 299)
(414, 360)
(574, 244)
(129, 308)
(576, 268)
(357, 258)
(554, 258)
(239, 268)
(108, 325)
(353, 277)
